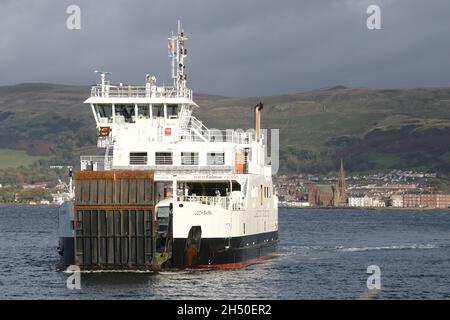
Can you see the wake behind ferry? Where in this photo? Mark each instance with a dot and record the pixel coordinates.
(168, 192)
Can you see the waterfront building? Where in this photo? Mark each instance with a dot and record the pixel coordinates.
(396, 201)
(321, 195)
(426, 200)
(365, 202)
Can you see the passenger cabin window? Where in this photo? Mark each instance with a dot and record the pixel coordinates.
(143, 111)
(125, 113)
(138, 158)
(215, 158)
(172, 111)
(189, 158)
(157, 111)
(104, 113)
(163, 158)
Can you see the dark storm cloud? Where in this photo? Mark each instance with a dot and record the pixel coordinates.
(238, 48)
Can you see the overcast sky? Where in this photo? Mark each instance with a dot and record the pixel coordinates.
(236, 48)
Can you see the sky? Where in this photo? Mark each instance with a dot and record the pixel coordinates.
(235, 48)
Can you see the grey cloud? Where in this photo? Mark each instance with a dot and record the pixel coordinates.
(237, 48)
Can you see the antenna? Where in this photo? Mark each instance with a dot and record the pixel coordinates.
(103, 72)
(177, 52)
(103, 78)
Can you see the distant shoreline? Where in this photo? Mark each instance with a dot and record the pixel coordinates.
(366, 208)
(13, 204)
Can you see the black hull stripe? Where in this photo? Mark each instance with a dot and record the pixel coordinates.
(225, 251)
(214, 252)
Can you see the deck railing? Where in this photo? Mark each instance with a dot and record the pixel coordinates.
(96, 163)
(99, 163)
(223, 202)
(198, 132)
(127, 91)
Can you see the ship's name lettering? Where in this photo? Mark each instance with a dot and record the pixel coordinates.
(203, 213)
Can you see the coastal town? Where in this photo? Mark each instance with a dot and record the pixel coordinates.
(38, 193)
(395, 189)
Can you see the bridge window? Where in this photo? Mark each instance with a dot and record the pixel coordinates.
(163, 158)
(215, 158)
(125, 113)
(104, 113)
(172, 111)
(143, 111)
(138, 158)
(189, 158)
(157, 111)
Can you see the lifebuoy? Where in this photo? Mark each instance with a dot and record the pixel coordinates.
(104, 131)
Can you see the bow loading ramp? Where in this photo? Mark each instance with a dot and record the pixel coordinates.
(114, 221)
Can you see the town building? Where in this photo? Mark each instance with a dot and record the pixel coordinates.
(396, 201)
(340, 196)
(443, 201)
(426, 200)
(365, 202)
(321, 195)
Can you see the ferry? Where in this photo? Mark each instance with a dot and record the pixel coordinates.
(167, 192)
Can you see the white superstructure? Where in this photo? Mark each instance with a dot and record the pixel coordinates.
(215, 179)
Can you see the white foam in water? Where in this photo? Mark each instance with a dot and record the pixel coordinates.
(393, 247)
(111, 271)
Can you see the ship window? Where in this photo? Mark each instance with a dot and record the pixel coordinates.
(143, 111)
(215, 158)
(125, 113)
(138, 158)
(211, 189)
(189, 158)
(157, 110)
(104, 113)
(172, 111)
(163, 158)
(162, 214)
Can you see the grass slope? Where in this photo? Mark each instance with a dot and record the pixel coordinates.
(371, 129)
(16, 158)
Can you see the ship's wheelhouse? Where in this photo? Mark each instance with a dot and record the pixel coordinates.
(108, 114)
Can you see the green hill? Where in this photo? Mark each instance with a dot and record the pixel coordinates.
(370, 129)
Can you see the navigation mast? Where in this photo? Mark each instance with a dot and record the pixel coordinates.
(177, 52)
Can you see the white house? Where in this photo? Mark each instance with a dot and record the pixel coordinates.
(365, 201)
(397, 201)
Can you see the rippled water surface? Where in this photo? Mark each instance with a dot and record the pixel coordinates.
(322, 254)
